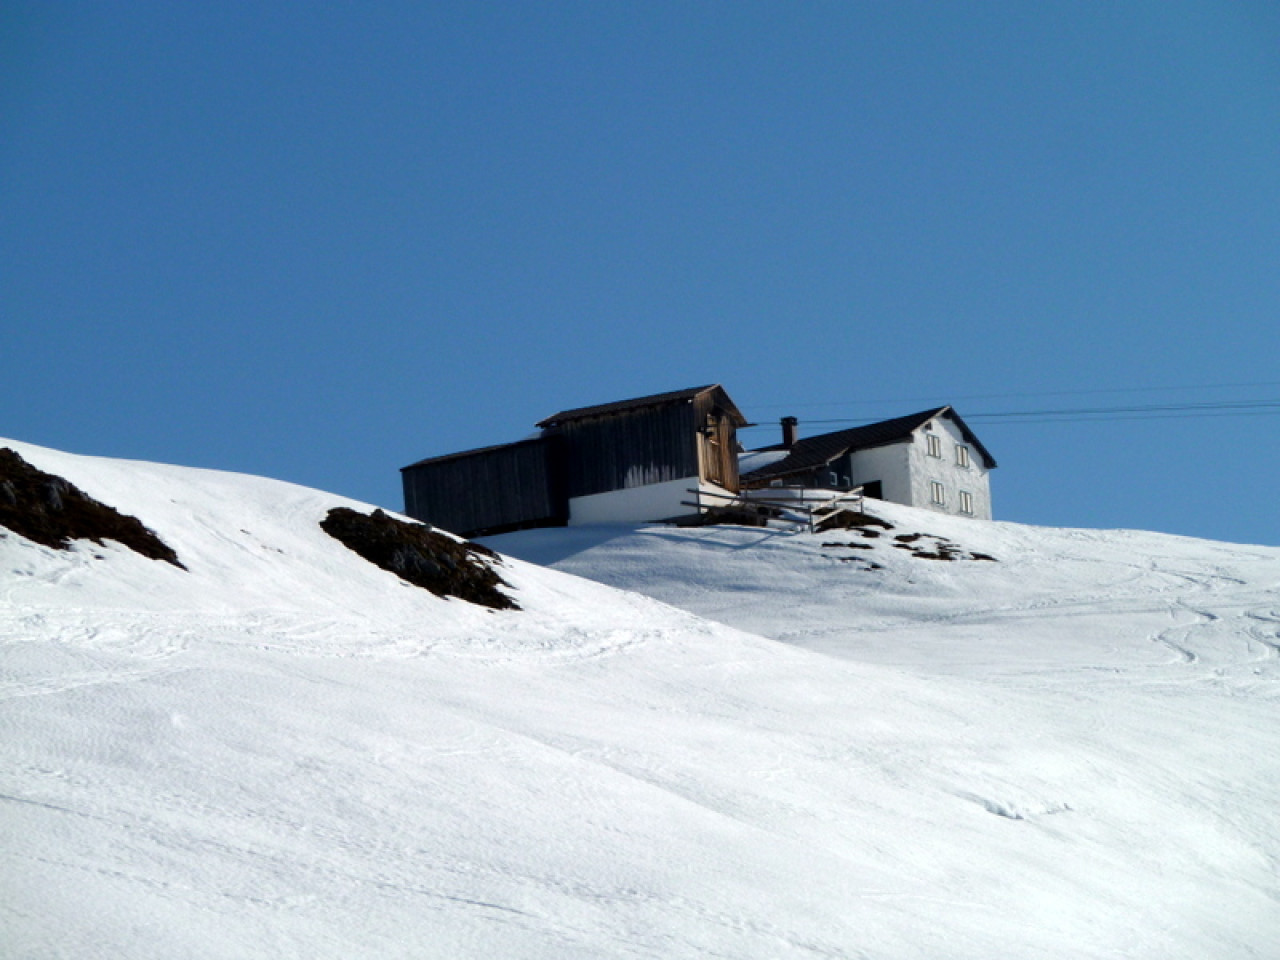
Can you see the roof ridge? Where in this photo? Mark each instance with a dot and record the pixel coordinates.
(633, 403)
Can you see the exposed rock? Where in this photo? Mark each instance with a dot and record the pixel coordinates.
(854, 520)
(421, 556)
(49, 510)
(943, 549)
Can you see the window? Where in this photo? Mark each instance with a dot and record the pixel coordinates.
(962, 456)
(937, 494)
(966, 502)
(935, 444)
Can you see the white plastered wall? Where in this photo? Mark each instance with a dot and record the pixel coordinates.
(644, 504)
(925, 470)
(890, 465)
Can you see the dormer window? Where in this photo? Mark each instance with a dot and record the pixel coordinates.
(935, 444)
(962, 456)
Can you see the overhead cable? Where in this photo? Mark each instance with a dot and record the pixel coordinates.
(1225, 408)
(1184, 388)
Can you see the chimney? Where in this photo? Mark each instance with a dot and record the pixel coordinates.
(789, 425)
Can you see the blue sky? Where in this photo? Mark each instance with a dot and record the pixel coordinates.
(321, 241)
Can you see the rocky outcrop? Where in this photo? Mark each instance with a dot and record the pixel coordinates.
(422, 556)
(50, 510)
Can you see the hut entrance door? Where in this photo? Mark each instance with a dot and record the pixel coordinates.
(713, 452)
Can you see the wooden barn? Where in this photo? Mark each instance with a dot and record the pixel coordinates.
(514, 486)
(623, 462)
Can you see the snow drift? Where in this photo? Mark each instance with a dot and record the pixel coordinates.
(284, 750)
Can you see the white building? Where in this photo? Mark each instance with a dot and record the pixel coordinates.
(929, 459)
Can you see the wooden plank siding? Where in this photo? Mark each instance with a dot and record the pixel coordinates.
(512, 487)
(624, 450)
(684, 435)
(696, 437)
(718, 420)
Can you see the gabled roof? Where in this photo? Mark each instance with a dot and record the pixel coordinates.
(639, 403)
(818, 451)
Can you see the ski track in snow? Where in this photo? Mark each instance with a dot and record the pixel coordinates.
(1129, 588)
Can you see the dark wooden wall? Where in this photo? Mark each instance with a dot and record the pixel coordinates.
(651, 445)
(512, 487)
(614, 451)
(528, 484)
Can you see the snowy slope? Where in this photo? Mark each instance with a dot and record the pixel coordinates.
(1089, 599)
(1113, 695)
(284, 751)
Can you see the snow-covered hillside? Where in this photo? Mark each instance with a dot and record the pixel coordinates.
(1070, 751)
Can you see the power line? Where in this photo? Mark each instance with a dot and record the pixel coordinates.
(1164, 411)
(1153, 416)
(1188, 409)
(1182, 388)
